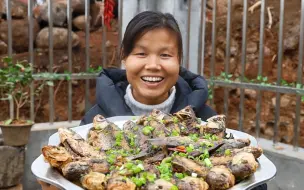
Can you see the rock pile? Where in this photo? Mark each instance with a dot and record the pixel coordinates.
(20, 24)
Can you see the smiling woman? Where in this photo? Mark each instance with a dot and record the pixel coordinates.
(153, 66)
(153, 77)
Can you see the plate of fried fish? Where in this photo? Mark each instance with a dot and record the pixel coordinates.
(151, 152)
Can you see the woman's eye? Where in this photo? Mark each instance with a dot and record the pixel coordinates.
(165, 55)
(140, 54)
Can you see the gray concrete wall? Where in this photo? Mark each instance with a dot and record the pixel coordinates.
(38, 139)
(290, 173)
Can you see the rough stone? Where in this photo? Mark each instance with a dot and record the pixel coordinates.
(60, 39)
(251, 57)
(222, 6)
(248, 93)
(252, 47)
(11, 165)
(18, 8)
(291, 41)
(251, 69)
(220, 54)
(96, 12)
(20, 33)
(288, 73)
(59, 13)
(80, 22)
(234, 49)
(285, 101)
(286, 132)
(267, 51)
(59, 9)
(3, 47)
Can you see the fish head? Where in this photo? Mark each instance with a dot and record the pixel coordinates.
(100, 122)
(217, 121)
(66, 133)
(186, 114)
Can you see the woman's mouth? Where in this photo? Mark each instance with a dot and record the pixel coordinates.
(152, 79)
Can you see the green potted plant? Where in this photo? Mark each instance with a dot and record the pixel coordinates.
(15, 80)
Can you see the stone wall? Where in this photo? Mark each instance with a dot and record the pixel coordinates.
(12, 160)
(20, 25)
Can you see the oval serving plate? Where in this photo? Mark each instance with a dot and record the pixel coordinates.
(42, 170)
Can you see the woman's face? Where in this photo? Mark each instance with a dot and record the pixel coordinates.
(153, 66)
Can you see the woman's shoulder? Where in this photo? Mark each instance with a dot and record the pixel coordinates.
(194, 81)
(115, 74)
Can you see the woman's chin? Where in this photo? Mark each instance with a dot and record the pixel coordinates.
(152, 98)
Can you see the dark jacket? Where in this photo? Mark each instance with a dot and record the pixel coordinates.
(191, 89)
(111, 84)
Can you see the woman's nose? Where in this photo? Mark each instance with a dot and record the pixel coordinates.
(153, 63)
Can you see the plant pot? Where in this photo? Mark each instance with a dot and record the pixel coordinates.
(16, 134)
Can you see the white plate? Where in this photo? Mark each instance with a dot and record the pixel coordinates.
(44, 172)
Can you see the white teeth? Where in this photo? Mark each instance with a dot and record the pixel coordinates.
(152, 79)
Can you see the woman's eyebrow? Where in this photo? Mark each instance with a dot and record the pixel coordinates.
(140, 46)
(164, 48)
(168, 48)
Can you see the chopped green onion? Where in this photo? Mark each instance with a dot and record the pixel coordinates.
(149, 176)
(175, 133)
(179, 175)
(139, 181)
(190, 148)
(147, 130)
(227, 152)
(214, 138)
(194, 137)
(175, 120)
(208, 162)
(118, 137)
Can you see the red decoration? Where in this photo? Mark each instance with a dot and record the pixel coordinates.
(108, 12)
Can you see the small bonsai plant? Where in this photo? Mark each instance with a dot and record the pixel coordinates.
(15, 80)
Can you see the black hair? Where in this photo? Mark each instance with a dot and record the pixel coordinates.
(147, 21)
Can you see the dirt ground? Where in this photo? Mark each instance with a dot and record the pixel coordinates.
(290, 62)
(289, 70)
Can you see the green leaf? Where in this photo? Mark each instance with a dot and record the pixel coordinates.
(229, 76)
(50, 83)
(284, 82)
(259, 77)
(265, 79)
(19, 65)
(7, 59)
(68, 77)
(29, 121)
(99, 68)
(302, 98)
(7, 122)
(299, 86)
